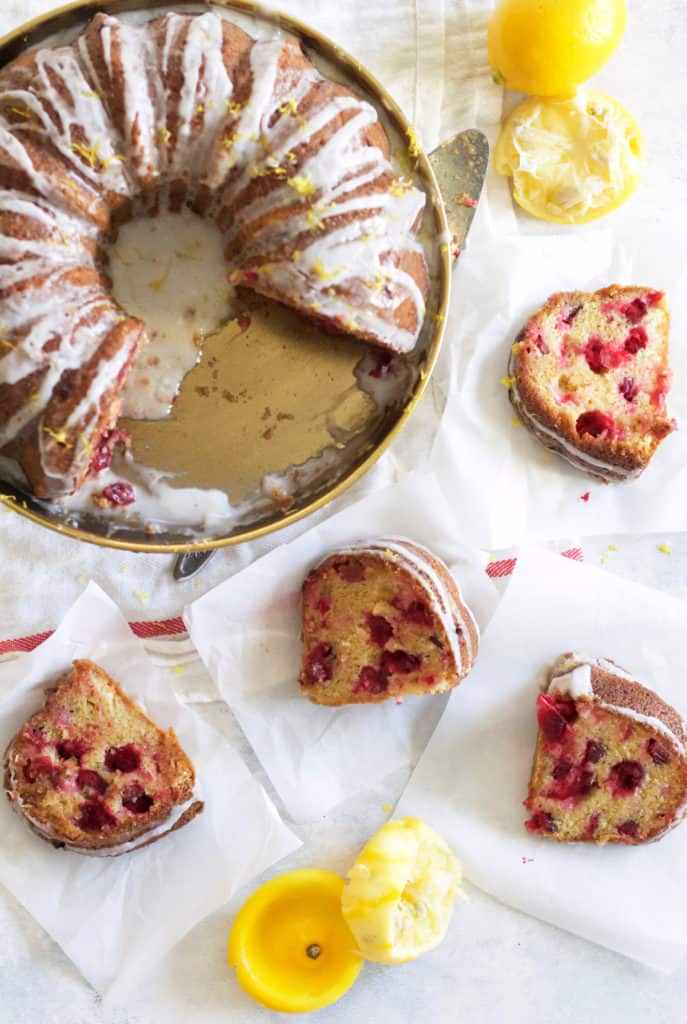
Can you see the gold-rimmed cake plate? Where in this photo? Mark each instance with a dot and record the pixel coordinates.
(278, 416)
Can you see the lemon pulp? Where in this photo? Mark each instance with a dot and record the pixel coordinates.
(399, 894)
(571, 160)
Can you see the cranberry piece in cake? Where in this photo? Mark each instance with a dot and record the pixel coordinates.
(592, 387)
(395, 624)
(611, 759)
(92, 773)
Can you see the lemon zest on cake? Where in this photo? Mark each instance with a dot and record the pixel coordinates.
(289, 107)
(233, 107)
(164, 134)
(60, 436)
(321, 271)
(508, 381)
(400, 186)
(302, 184)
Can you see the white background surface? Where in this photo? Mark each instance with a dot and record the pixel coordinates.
(497, 966)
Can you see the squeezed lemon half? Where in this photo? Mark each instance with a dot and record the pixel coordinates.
(571, 160)
(399, 894)
(290, 944)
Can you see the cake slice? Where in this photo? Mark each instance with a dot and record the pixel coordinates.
(589, 378)
(92, 773)
(611, 758)
(380, 620)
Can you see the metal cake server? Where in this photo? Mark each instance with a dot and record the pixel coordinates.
(460, 166)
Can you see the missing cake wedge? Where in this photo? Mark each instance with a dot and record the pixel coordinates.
(92, 773)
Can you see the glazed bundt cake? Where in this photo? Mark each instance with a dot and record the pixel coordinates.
(92, 773)
(186, 110)
(611, 758)
(381, 620)
(589, 377)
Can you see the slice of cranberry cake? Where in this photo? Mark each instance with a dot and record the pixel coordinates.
(589, 377)
(383, 619)
(611, 758)
(92, 773)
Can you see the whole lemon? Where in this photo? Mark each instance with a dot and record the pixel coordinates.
(549, 47)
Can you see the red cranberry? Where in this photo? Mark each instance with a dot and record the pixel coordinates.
(319, 664)
(634, 311)
(369, 681)
(562, 770)
(540, 343)
(71, 748)
(595, 423)
(419, 614)
(594, 751)
(352, 570)
(569, 313)
(90, 782)
(591, 827)
(36, 767)
(626, 776)
(434, 639)
(106, 446)
(657, 752)
(541, 821)
(399, 662)
(95, 816)
(554, 715)
(653, 298)
(584, 783)
(119, 493)
(637, 339)
(136, 800)
(380, 629)
(628, 828)
(628, 389)
(601, 356)
(324, 605)
(382, 365)
(122, 759)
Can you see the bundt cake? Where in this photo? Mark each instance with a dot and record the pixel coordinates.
(380, 620)
(92, 773)
(589, 377)
(611, 758)
(186, 110)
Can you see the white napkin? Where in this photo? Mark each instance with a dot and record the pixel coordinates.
(248, 634)
(115, 917)
(473, 776)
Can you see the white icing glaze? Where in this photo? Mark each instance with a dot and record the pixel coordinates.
(576, 683)
(572, 676)
(175, 76)
(443, 603)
